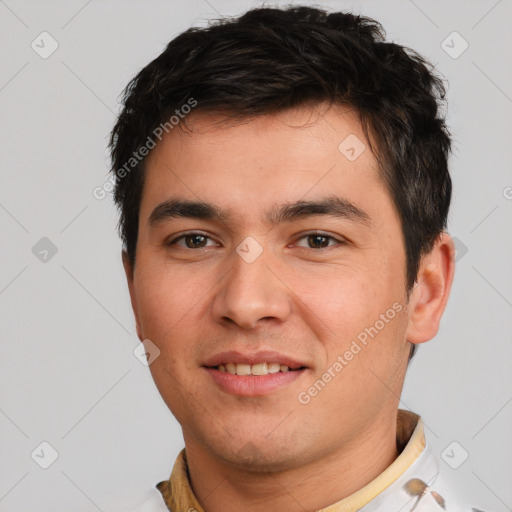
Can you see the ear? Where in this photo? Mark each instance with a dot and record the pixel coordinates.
(129, 271)
(430, 293)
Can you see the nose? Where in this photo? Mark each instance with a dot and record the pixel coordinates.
(252, 294)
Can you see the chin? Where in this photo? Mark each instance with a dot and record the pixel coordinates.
(252, 460)
(257, 454)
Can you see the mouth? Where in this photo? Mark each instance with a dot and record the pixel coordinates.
(255, 369)
(253, 374)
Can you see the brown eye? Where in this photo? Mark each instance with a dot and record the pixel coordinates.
(195, 241)
(319, 241)
(191, 241)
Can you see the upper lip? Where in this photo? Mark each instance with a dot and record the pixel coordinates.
(265, 356)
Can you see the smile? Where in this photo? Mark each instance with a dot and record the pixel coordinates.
(253, 373)
(254, 369)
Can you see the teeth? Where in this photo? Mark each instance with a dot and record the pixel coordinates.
(259, 369)
(243, 369)
(254, 369)
(273, 367)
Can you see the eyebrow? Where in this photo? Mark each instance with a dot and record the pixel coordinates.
(330, 206)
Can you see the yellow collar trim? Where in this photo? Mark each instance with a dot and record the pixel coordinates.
(398, 467)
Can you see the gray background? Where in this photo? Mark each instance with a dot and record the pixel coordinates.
(68, 373)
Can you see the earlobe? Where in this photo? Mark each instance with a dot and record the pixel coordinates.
(129, 271)
(430, 293)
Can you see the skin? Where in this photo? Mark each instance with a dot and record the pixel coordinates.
(295, 298)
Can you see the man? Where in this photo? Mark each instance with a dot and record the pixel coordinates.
(283, 188)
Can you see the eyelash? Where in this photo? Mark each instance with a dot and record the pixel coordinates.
(305, 235)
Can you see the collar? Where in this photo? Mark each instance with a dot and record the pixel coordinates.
(410, 438)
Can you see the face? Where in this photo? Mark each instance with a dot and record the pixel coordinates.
(297, 260)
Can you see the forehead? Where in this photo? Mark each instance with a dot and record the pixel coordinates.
(248, 165)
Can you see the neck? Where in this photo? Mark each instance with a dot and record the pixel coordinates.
(309, 487)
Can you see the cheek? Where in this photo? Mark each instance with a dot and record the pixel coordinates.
(168, 309)
(165, 303)
(360, 317)
(159, 284)
(362, 370)
(346, 300)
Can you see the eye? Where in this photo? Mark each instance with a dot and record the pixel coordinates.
(196, 240)
(191, 241)
(319, 240)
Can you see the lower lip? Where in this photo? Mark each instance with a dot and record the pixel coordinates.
(253, 385)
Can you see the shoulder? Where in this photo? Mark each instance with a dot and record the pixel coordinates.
(435, 489)
(425, 486)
